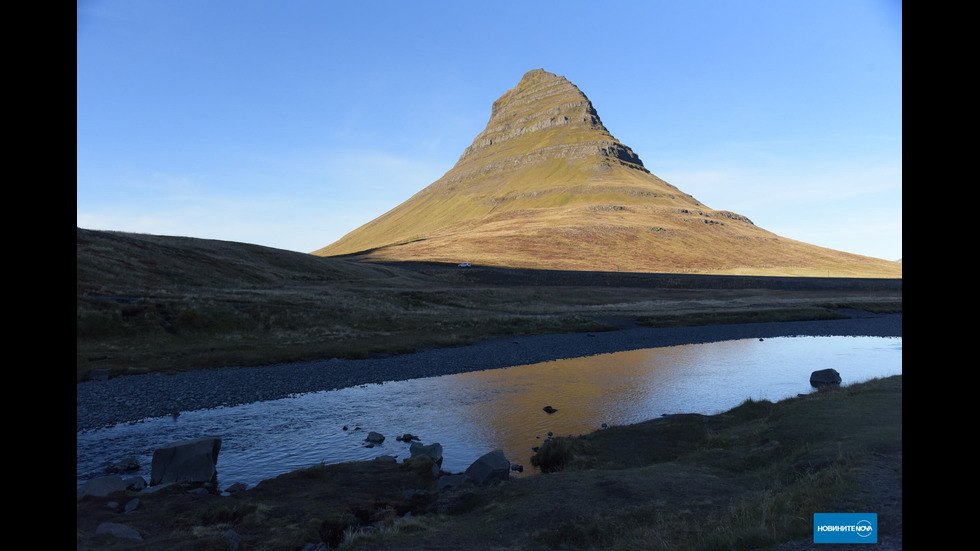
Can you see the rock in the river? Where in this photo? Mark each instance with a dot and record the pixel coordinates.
(124, 465)
(186, 461)
(825, 377)
(375, 438)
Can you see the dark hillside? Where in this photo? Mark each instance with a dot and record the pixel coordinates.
(152, 303)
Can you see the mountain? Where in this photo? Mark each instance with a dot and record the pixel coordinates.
(546, 185)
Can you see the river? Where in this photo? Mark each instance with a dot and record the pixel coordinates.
(473, 413)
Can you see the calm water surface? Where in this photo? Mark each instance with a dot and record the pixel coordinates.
(474, 413)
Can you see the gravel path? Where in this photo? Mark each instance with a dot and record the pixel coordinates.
(128, 398)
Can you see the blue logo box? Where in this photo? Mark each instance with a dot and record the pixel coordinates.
(845, 528)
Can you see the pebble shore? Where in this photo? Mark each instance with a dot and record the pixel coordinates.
(130, 398)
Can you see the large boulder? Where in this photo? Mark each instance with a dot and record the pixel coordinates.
(491, 467)
(433, 450)
(824, 377)
(186, 461)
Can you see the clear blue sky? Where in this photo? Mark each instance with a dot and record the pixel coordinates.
(289, 124)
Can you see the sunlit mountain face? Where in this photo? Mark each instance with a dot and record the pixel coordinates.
(546, 185)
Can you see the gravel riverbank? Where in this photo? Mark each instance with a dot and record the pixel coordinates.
(129, 398)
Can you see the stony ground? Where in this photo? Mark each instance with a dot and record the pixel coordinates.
(687, 480)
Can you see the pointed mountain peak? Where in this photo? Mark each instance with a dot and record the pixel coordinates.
(546, 185)
(537, 84)
(546, 112)
(538, 75)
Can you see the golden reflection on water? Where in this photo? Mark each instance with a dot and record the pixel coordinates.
(506, 405)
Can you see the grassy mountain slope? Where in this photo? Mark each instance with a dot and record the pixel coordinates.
(545, 185)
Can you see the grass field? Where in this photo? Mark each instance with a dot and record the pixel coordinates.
(156, 303)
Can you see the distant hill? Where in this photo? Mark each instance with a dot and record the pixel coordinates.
(546, 185)
(115, 263)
